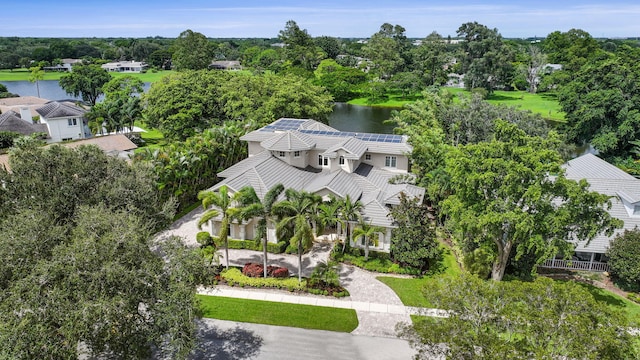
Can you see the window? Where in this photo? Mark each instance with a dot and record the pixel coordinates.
(281, 154)
(67, 139)
(341, 160)
(636, 210)
(296, 154)
(367, 156)
(72, 122)
(320, 160)
(390, 161)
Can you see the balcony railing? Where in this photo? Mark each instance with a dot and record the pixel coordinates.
(575, 265)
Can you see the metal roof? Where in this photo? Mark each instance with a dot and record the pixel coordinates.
(56, 109)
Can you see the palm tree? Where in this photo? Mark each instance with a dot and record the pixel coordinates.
(329, 215)
(350, 211)
(297, 211)
(222, 202)
(263, 210)
(368, 232)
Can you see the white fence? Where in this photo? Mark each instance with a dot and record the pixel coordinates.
(575, 265)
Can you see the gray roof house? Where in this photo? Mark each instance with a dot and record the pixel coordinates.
(11, 121)
(624, 190)
(307, 155)
(65, 121)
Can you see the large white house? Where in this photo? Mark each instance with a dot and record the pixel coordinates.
(125, 66)
(307, 155)
(624, 190)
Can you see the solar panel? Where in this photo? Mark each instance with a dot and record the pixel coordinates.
(388, 138)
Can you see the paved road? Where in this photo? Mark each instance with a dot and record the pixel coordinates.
(227, 340)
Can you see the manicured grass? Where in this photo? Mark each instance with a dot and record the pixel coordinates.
(410, 290)
(545, 104)
(153, 137)
(149, 76)
(23, 75)
(280, 314)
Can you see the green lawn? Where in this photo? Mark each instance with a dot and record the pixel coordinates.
(628, 307)
(23, 75)
(153, 137)
(280, 314)
(410, 290)
(545, 104)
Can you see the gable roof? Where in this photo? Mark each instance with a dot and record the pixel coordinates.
(288, 141)
(56, 109)
(606, 179)
(11, 121)
(353, 147)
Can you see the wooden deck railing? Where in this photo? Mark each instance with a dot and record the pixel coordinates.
(575, 265)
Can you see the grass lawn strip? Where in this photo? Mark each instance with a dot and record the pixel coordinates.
(410, 290)
(23, 75)
(279, 314)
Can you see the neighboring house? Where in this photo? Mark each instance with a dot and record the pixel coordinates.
(624, 190)
(64, 121)
(11, 121)
(125, 66)
(225, 65)
(64, 65)
(113, 145)
(311, 156)
(24, 105)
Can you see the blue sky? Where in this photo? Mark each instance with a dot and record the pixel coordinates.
(345, 18)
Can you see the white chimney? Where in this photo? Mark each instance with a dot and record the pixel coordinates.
(25, 114)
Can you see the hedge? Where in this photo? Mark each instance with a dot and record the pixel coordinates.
(234, 277)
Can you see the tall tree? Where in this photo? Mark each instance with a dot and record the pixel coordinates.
(330, 45)
(36, 75)
(297, 212)
(223, 205)
(602, 103)
(253, 207)
(536, 61)
(504, 194)
(300, 49)
(350, 211)
(431, 59)
(387, 50)
(413, 241)
(85, 81)
(328, 215)
(121, 106)
(368, 233)
(486, 61)
(192, 51)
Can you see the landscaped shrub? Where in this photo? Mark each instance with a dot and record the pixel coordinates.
(204, 238)
(624, 259)
(280, 272)
(257, 270)
(252, 270)
(378, 261)
(234, 277)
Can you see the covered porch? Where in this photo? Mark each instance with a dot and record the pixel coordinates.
(580, 261)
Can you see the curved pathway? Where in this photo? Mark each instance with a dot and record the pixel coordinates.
(378, 308)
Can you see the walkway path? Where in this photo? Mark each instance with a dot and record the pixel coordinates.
(378, 308)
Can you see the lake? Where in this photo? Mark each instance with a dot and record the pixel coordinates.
(345, 117)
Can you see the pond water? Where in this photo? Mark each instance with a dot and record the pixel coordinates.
(49, 89)
(345, 117)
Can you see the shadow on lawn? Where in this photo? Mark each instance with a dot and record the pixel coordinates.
(231, 344)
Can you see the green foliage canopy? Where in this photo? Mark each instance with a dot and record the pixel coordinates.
(544, 319)
(504, 194)
(624, 259)
(85, 81)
